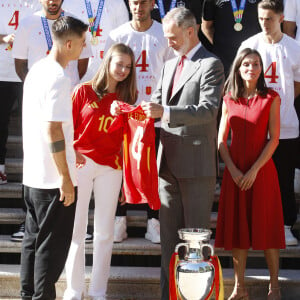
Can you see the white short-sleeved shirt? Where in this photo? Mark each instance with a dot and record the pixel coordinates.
(12, 12)
(113, 15)
(47, 97)
(281, 67)
(151, 51)
(30, 43)
(292, 13)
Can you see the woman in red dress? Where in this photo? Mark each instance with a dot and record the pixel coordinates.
(250, 211)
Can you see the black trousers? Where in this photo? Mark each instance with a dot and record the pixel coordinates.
(285, 158)
(48, 234)
(9, 93)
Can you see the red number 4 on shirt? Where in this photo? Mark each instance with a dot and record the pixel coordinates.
(143, 64)
(14, 21)
(271, 73)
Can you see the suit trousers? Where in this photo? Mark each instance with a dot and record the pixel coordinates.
(185, 203)
(285, 159)
(48, 233)
(9, 93)
(105, 182)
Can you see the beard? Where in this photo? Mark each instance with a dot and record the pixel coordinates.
(54, 9)
(182, 50)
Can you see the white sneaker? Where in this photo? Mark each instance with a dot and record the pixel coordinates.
(290, 240)
(120, 233)
(153, 231)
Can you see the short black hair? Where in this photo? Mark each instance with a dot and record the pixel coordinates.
(66, 26)
(275, 5)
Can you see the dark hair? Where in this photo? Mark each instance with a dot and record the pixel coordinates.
(275, 5)
(126, 89)
(234, 83)
(65, 26)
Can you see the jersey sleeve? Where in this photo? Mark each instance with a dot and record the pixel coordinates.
(20, 48)
(290, 10)
(208, 10)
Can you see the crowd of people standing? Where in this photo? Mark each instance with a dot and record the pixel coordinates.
(194, 66)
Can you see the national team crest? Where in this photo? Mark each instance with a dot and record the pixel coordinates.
(148, 90)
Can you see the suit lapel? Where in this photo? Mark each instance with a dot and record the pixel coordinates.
(189, 70)
(168, 78)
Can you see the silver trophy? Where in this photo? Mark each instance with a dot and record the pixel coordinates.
(194, 276)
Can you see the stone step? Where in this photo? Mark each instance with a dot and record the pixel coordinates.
(15, 123)
(14, 169)
(14, 146)
(14, 190)
(14, 166)
(141, 246)
(135, 218)
(137, 283)
(11, 190)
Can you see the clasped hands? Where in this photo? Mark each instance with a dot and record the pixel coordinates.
(151, 110)
(244, 181)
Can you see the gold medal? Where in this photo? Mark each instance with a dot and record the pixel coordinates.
(238, 26)
(94, 41)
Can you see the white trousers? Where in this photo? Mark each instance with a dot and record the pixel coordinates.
(105, 182)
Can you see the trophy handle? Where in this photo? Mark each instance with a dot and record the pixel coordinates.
(186, 245)
(212, 252)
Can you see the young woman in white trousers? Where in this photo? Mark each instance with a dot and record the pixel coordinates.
(99, 162)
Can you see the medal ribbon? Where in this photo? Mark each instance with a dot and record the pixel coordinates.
(94, 23)
(238, 12)
(47, 31)
(162, 8)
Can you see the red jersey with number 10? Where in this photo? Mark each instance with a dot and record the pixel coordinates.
(139, 160)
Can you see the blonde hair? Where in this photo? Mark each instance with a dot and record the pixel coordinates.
(126, 89)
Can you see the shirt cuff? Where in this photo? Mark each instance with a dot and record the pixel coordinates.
(166, 115)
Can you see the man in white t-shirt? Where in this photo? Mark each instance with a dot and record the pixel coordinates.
(281, 59)
(146, 38)
(49, 171)
(291, 24)
(102, 16)
(11, 13)
(33, 42)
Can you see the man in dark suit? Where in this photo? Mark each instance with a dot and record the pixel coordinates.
(186, 100)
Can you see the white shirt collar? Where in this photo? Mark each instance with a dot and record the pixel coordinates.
(192, 52)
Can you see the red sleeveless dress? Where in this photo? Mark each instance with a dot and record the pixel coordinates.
(251, 218)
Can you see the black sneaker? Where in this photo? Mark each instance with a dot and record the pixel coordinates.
(19, 235)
